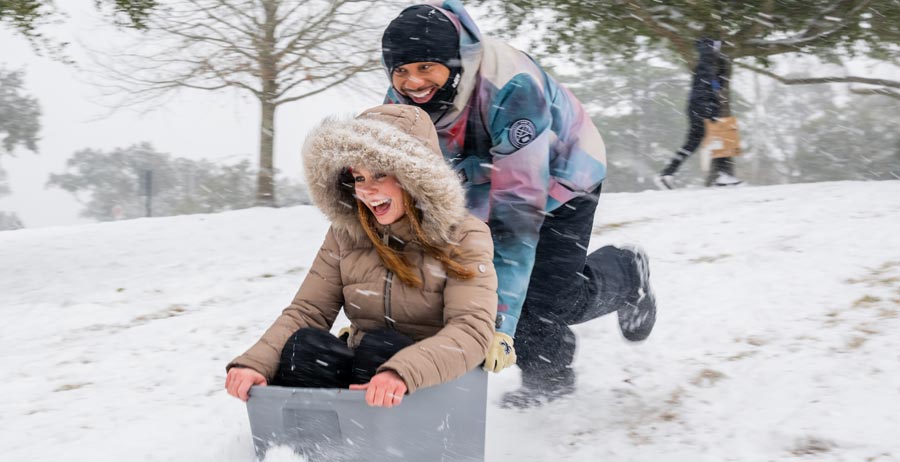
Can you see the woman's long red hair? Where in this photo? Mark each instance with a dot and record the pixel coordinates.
(395, 260)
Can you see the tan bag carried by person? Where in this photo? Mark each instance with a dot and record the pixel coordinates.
(722, 137)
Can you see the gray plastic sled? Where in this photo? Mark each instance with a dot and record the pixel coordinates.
(445, 423)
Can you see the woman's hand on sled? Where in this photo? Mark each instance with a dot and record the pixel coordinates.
(239, 381)
(386, 389)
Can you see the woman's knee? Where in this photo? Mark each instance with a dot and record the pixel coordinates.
(314, 358)
(375, 349)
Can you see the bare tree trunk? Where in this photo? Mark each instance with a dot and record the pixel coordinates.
(265, 180)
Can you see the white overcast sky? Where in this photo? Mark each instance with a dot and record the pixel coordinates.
(220, 126)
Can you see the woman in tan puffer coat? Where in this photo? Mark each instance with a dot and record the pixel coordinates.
(403, 258)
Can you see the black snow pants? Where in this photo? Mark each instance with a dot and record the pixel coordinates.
(568, 287)
(696, 131)
(313, 358)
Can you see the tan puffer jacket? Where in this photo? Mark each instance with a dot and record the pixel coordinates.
(451, 320)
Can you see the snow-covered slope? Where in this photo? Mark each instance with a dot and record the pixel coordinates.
(776, 337)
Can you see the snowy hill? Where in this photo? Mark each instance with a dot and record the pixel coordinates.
(776, 340)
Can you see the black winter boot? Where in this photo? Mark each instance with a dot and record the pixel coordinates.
(537, 391)
(638, 316)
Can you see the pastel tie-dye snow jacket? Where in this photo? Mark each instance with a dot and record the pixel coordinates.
(522, 145)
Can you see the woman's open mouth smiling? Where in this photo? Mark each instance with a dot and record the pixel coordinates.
(380, 207)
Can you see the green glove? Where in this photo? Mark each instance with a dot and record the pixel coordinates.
(501, 354)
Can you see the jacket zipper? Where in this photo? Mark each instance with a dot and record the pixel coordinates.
(388, 280)
(387, 299)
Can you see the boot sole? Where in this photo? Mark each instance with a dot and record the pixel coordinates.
(640, 313)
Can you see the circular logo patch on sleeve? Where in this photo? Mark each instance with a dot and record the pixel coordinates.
(521, 132)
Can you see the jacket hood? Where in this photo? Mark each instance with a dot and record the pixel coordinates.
(395, 139)
(707, 49)
(471, 51)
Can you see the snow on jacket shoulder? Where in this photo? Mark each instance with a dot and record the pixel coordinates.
(451, 320)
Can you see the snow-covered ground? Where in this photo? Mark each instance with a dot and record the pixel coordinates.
(776, 339)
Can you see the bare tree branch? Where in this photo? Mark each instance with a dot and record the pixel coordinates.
(876, 91)
(315, 25)
(208, 12)
(320, 42)
(254, 23)
(818, 80)
(318, 90)
(218, 39)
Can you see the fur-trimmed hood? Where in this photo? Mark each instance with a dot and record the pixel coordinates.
(395, 139)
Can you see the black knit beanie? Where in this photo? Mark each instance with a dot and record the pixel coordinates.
(423, 34)
(420, 34)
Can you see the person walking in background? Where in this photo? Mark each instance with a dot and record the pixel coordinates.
(532, 163)
(403, 257)
(703, 104)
